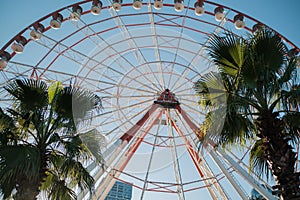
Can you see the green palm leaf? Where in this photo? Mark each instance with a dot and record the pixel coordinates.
(94, 141)
(79, 174)
(40, 142)
(262, 90)
(273, 58)
(258, 160)
(28, 93)
(228, 53)
(57, 189)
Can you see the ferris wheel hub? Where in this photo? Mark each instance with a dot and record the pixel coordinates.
(167, 99)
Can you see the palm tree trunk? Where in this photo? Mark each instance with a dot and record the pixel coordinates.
(27, 190)
(280, 156)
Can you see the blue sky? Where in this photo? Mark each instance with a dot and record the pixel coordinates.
(281, 15)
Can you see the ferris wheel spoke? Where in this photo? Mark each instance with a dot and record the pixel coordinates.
(124, 107)
(123, 123)
(88, 80)
(112, 120)
(140, 58)
(145, 185)
(178, 44)
(89, 32)
(175, 159)
(78, 61)
(156, 48)
(103, 75)
(122, 118)
(192, 63)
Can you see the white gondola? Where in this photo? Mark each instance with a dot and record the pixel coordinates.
(178, 5)
(4, 58)
(18, 45)
(219, 14)
(117, 5)
(96, 7)
(36, 33)
(137, 4)
(199, 8)
(158, 4)
(239, 21)
(256, 28)
(56, 21)
(76, 13)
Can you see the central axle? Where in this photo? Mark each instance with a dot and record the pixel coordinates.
(167, 99)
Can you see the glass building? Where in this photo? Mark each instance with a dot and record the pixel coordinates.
(120, 191)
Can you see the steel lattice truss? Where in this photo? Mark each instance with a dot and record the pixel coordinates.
(129, 58)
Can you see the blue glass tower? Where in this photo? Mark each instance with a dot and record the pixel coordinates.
(120, 191)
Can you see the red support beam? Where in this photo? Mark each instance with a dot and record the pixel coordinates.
(139, 140)
(132, 131)
(194, 154)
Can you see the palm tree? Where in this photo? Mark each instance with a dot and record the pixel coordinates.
(262, 93)
(40, 149)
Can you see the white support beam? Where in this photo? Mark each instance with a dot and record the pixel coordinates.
(242, 172)
(233, 182)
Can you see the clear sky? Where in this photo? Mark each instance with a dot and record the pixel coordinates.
(279, 15)
(283, 16)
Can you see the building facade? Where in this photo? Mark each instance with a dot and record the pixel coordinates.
(120, 191)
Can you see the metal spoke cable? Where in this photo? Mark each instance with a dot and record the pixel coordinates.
(176, 53)
(175, 159)
(121, 24)
(155, 41)
(150, 161)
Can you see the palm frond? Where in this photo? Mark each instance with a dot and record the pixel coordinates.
(6, 122)
(53, 90)
(258, 161)
(291, 97)
(211, 90)
(43, 121)
(74, 146)
(29, 94)
(8, 130)
(237, 134)
(227, 53)
(17, 162)
(94, 142)
(274, 57)
(57, 188)
(249, 74)
(288, 73)
(291, 122)
(19, 159)
(75, 104)
(79, 174)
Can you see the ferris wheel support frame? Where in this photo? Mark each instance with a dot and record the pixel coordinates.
(123, 159)
(201, 166)
(260, 189)
(168, 101)
(125, 156)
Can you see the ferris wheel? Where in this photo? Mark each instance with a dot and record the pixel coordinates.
(142, 58)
